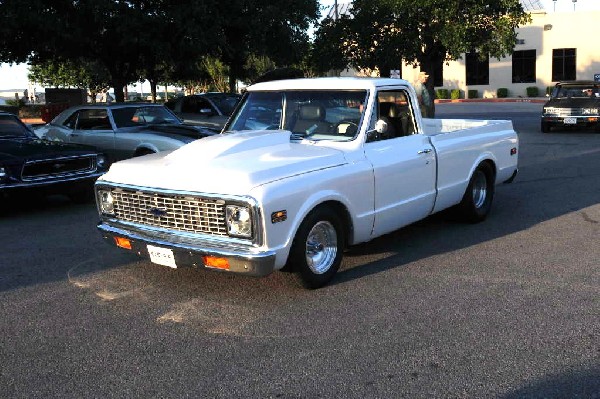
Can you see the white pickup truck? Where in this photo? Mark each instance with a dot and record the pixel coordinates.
(303, 169)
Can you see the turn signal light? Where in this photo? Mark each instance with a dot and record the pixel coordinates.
(217, 263)
(123, 242)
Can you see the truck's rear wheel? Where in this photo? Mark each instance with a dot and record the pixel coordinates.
(317, 250)
(477, 200)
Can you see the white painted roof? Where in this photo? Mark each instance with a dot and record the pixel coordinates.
(335, 83)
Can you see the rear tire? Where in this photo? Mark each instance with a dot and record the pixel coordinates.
(477, 200)
(318, 247)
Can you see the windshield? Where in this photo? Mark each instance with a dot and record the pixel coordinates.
(315, 114)
(225, 102)
(10, 126)
(140, 116)
(576, 91)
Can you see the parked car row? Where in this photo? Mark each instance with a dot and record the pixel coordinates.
(70, 152)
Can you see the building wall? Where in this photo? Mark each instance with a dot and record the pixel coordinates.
(568, 30)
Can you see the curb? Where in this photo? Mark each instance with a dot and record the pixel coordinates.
(492, 100)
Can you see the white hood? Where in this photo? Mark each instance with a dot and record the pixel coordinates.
(231, 163)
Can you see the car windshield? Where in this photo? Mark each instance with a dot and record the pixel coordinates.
(143, 115)
(11, 127)
(576, 91)
(226, 102)
(315, 114)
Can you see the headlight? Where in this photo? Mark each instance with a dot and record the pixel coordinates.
(589, 111)
(549, 110)
(239, 221)
(101, 161)
(105, 202)
(3, 174)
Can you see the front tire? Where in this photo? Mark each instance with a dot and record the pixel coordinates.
(477, 200)
(545, 127)
(318, 247)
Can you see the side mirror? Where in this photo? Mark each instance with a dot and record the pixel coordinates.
(381, 128)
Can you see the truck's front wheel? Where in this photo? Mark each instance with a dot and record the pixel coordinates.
(317, 250)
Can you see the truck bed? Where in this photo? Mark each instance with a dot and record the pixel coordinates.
(433, 127)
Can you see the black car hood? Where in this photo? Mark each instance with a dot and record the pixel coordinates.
(194, 132)
(29, 148)
(573, 102)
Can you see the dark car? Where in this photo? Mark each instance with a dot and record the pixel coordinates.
(572, 104)
(123, 130)
(28, 163)
(210, 110)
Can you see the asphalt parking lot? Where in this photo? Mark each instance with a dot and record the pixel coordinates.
(509, 308)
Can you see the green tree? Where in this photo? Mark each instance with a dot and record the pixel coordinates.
(379, 34)
(82, 74)
(131, 39)
(277, 30)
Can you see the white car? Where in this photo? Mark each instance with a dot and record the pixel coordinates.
(303, 169)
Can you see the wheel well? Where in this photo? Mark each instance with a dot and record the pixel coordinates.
(143, 151)
(341, 210)
(492, 166)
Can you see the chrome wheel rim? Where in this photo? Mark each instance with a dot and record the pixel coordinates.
(479, 189)
(321, 247)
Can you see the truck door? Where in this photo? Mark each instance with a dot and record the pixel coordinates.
(404, 165)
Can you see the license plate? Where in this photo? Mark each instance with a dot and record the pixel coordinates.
(162, 256)
(570, 121)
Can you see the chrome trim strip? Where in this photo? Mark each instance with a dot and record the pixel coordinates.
(48, 182)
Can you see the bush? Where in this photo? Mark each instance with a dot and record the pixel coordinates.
(31, 111)
(532, 91)
(16, 103)
(502, 92)
(455, 94)
(442, 94)
(472, 93)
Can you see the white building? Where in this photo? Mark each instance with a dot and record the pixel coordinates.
(558, 44)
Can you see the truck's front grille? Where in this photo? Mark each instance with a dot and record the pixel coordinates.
(169, 211)
(58, 168)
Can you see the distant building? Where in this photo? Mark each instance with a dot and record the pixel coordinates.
(555, 46)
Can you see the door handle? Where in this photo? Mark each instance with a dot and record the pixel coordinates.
(425, 151)
(73, 135)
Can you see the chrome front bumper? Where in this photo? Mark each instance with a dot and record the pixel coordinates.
(242, 260)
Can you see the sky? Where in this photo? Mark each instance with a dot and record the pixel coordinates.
(14, 77)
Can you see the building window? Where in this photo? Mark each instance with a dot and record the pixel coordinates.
(564, 64)
(523, 66)
(478, 71)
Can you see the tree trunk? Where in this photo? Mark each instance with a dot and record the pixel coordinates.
(118, 87)
(153, 90)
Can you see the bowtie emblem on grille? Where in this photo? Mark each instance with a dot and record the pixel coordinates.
(58, 166)
(157, 212)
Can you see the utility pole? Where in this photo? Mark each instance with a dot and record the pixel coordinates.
(336, 15)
